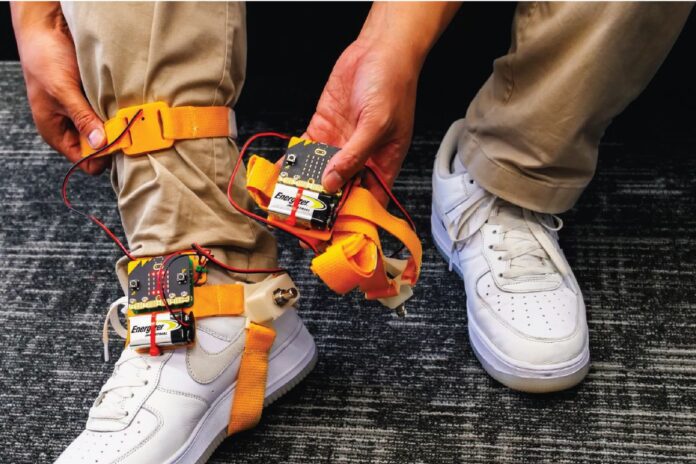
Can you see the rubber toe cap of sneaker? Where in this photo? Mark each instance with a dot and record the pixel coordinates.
(533, 330)
(92, 447)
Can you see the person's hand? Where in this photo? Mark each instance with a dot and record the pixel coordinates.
(367, 106)
(367, 109)
(60, 110)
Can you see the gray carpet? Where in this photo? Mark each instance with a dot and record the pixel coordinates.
(386, 390)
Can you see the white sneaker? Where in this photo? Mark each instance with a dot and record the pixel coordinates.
(526, 314)
(175, 408)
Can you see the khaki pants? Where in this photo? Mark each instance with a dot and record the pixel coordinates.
(531, 137)
(533, 130)
(183, 54)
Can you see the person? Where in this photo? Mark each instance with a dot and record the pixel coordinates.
(525, 150)
(177, 406)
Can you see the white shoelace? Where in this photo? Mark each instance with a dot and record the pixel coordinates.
(468, 223)
(127, 373)
(112, 317)
(524, 242)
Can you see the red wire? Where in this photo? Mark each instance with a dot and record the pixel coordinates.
(73, 168)
(206, 254)
(154, 349)
(248, 213)
(391, 195)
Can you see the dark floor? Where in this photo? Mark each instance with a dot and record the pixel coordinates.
(386, 390)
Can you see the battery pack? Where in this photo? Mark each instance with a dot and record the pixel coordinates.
(307, 209)
(298, 198)
(168, 330)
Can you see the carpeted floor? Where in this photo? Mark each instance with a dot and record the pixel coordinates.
(386, 390)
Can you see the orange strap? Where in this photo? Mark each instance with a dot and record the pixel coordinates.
(218, 300)
(250, 391)
(159, 126)
(249, 395)
(261, 179)
(353, 257)
(356, 247)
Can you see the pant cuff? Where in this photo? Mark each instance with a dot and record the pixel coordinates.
(513, 186)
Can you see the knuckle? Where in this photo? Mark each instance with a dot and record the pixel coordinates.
(348, 161)
(382, 122)
(59, 89)
(348, 167)
(81, 119)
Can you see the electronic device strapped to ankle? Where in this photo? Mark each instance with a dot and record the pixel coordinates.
(178, 280)
(160, 288)
(167, 294)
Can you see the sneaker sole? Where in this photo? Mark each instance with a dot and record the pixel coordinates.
(285, 370)
(542, 381)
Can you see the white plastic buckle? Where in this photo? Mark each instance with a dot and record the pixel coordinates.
(397, 303)
(266, 301)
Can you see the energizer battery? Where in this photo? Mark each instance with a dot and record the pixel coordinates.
(168, 330)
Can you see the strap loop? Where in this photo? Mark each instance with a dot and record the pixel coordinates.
(159, 126)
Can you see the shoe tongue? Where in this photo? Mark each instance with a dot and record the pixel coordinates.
(505, 212)
(511, 216)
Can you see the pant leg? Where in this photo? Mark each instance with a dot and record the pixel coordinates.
(183, 54)
(533, 130)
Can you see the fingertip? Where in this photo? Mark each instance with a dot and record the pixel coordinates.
(332, 181)
(96, 138)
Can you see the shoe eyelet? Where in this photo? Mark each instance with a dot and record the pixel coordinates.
(500, 274)
(471, 181)
(500, 258)
(490, 247)
(495, 231)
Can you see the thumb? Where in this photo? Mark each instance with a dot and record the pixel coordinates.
(84, 118)
(353, 156)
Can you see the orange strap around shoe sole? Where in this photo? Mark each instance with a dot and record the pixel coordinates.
(159, 126)
(250, 392)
